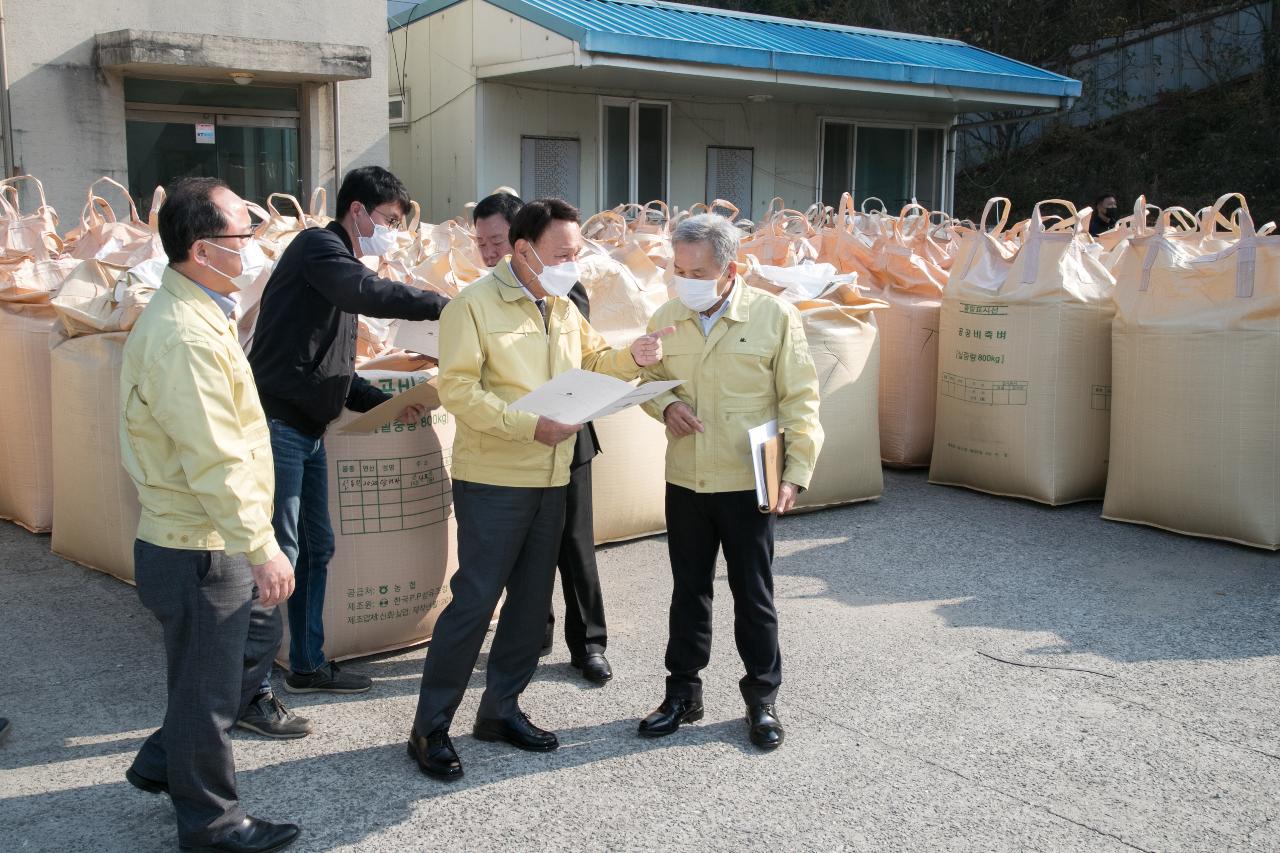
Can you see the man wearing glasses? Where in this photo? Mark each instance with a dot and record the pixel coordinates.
(194, 440)
(303, 358)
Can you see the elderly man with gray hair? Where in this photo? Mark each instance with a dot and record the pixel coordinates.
(745, 361)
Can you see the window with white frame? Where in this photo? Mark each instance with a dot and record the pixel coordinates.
(398, 109)
(634, 151)
(549, 168)
(729, 173)
(892, 163)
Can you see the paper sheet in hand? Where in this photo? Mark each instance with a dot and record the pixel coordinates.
(578, 396)
(422, 394)
(758, 437)
(422, 336)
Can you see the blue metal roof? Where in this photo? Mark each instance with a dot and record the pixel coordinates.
(648, 29)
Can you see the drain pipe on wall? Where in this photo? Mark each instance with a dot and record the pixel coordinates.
(6, 113)
(337, 139)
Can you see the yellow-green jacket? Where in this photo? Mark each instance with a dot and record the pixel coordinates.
(753, 367)
(494, 350)
(192, 433)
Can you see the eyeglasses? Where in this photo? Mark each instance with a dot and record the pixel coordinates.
(228, 236)
(392, 222)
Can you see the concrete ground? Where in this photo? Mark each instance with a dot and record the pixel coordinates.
(963, 672)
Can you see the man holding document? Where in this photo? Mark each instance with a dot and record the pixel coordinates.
(745, 360)
(501, 339)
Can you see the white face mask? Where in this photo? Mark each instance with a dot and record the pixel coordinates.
(697, 294)
(382, 241)
(252, 262)
(558, 279)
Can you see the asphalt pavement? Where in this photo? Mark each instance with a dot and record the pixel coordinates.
(961, 673)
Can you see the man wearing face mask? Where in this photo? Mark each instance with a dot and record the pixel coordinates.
(194, 440)
(502, 337)
(584, 623)
(1104, 215)
(303, 357)
(745, 360)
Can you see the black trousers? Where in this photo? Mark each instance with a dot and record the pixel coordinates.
(508, 539)
(698, 527)
(219, 644)
(584, 626)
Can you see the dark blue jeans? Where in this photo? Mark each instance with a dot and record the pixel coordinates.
(303, 531)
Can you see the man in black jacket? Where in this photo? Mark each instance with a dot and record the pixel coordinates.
(584, 625)
(303, 359)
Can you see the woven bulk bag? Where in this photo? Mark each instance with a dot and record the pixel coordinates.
(1024, 367)
(1196, 405)
(627, 482)
(911, 283)
(845, 345)
(95, 504)
(395, 536)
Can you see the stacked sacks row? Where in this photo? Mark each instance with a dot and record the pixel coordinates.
(35, 262)
(1142, 366)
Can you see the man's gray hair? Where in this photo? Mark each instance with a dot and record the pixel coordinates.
(712, 229)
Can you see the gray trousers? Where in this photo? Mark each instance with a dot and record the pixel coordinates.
(219, 644)
(508, 538)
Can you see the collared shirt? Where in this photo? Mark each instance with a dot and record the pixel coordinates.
(192, 433)
(708, 322)
(751, 367)
(228, 304)
(494, 349)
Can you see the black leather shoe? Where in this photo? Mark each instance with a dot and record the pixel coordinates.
(670, 714)
(766, 728)
(517, 731)
(595, 668)
(142, 783)
(435, 755)
(253, 836)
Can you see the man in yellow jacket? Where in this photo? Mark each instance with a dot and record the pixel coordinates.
(744, 360)
(195, 442)
(502, 337)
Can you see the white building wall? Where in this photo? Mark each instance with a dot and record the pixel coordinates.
(434, 151)
(69, 117)
(463, 135)
(784, 136)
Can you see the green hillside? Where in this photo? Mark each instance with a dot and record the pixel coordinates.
(1185, 150)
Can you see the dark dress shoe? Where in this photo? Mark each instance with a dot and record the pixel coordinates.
(766, 728)
(253, 836)
(142, 783)
(670, 714)
(517, 731)
(435, 755)
(595, 668)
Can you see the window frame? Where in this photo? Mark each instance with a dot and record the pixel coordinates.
(227, 116)
(633, 145)
(914, 126)
(403, 98)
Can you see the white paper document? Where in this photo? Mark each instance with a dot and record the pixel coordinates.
(421, 336)
(578, 396)
(757, 436)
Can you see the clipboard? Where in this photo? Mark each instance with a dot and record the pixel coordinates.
(771, 452)
(766, 463)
